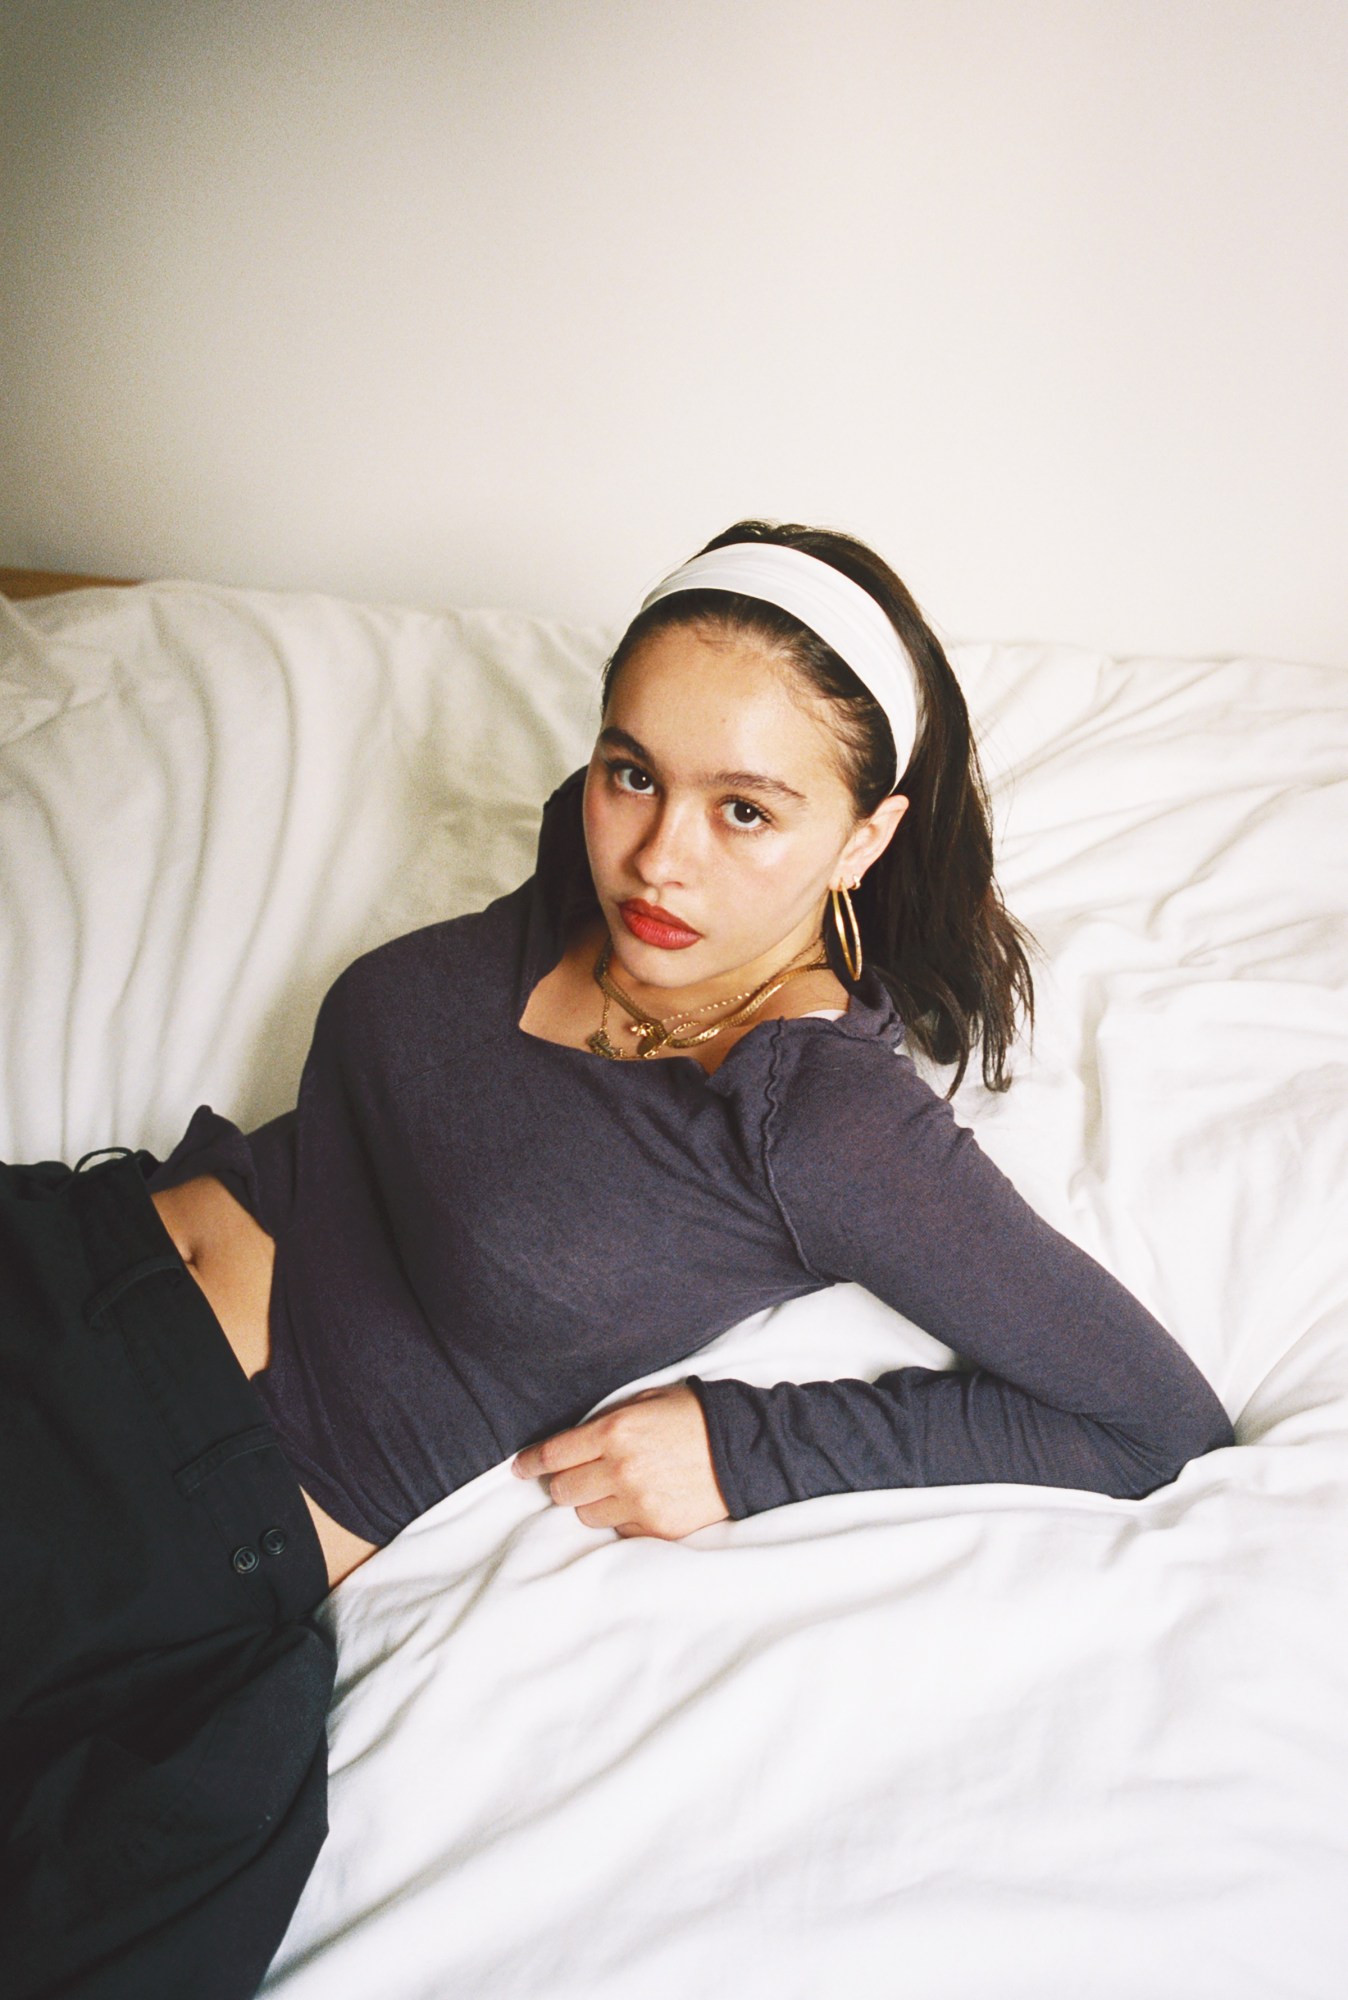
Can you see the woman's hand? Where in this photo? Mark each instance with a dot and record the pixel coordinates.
(641, 1468)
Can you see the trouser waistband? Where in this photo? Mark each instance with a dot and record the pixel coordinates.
(226, 1456)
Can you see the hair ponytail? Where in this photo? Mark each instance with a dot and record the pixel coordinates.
(930, 913)
(933, 924)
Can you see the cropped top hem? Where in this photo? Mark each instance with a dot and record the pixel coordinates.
(333, 1499)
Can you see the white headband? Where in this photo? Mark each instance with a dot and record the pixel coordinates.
(836, 610)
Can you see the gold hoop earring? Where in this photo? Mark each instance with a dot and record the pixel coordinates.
(852, 957)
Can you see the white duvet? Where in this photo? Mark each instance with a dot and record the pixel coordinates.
(956, 1744)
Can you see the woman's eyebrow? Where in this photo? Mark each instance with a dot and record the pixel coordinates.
(752, 781)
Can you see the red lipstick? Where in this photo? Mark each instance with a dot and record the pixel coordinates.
(652, 925)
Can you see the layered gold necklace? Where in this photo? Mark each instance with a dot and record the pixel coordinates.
(656, 1033)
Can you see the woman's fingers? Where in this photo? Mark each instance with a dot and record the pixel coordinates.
(555, 1454)
(606, 1513)
(582, 1484)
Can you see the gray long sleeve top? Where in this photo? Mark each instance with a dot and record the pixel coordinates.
(481, 1234)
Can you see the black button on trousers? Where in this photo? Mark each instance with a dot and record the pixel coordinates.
(163, 1682)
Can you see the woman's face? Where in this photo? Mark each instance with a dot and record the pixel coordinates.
(714, 797)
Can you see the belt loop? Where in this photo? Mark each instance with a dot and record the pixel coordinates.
(118, 1152)
(115, 1214)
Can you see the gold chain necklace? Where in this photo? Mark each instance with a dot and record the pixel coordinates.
(657, 1034)
(641, 1020)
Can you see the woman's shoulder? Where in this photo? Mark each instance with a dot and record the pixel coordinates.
(818, 1064)
(848, 1092)
(450, 959)
(864, 1046)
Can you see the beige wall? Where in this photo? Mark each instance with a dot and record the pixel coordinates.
(518, 303)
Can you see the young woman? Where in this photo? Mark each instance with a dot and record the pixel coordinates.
(546, 1148)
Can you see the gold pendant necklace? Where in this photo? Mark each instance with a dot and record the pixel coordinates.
(656, 1033)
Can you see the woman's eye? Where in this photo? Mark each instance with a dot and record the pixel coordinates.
(760, 818)
(634, 769)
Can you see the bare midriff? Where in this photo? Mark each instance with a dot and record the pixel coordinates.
(231, 1257)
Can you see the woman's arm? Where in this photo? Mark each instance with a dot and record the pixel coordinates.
(1071, 1381)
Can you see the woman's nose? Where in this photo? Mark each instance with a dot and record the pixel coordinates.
(667, 853)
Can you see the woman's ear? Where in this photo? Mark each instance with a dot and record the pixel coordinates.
(872, 837)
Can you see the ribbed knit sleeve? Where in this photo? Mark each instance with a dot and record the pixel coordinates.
(1067, 1380)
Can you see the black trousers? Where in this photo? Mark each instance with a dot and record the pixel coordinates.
(163, 1686)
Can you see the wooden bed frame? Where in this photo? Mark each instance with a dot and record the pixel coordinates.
(18, 583)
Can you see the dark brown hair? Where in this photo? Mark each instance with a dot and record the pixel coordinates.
(933, 924)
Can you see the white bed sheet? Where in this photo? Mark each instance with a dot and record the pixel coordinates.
(952, 1743)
